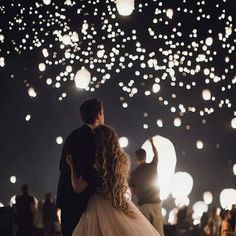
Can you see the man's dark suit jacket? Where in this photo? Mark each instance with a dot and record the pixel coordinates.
(81, 145)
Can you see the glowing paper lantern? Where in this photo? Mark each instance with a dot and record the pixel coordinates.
(32, 92)
(173, 216)
(199, 144)
(125, 7)
(177, 122)
(180, 202)
(156, 88)
(233, 123)
(198, 209)
(207, 197)
(206, 94)
(66, 39)
(46, 2)
(169, 13)
(59, 140)
(227, 198)
(13, 179)
(159, 123)
(42, 66)
(82, 78)
(182, 185)
(166, 163)
(234, 169)
(27, 118)
(1, 205)
(123, 142)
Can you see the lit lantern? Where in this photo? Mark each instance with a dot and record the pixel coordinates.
(32, 92)
(46, 2)
(199, 144)
(82, 78)
(1, 205)
(234, 169)
(227, 198)
(125, 7)
(123, 141)
(206, 94)
(233, 123)
(207, 197)
(177, 122)
(182, 185)
(198, 209)
(59, 140)
(166, 162)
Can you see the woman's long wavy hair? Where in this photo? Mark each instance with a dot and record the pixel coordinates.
(112, 164)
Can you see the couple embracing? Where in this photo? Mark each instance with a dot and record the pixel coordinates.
(92, 189)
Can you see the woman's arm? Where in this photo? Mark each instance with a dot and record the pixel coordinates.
(78, 184)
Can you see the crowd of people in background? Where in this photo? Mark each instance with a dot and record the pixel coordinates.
(36, 218)
(42, 219)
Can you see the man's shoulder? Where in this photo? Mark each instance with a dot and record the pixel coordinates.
(81, 131)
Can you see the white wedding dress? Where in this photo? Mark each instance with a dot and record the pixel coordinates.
(101, 219)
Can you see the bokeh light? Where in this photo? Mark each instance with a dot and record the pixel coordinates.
(166, 163)
(123, 141)
(227, 198)
(207, 197)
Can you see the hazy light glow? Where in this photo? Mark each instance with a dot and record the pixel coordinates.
(177, 122)
(123, 141)
(181, 202)
(82, 78)
(182, 184)
(198, 209)
(32, 92)
(166, 164)
(59, 140)
(233, 123)
(207, 197)
(13, 179)
(199, 144)
(227, 198)
(1, 205)
(206, 94)
(234, 169)
(125, 7)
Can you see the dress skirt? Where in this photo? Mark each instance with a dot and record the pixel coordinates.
(101, 219)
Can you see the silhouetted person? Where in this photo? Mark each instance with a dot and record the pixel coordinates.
(143, 184)
(80, 145)
(49, 214)
(25, 208)
(183, 226)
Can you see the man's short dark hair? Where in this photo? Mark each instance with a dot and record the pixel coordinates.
(90, 109)
(140, 154)
(24, 188)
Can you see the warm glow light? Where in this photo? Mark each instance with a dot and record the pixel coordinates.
(125, 7)
(28, 117)
(206, 94)
(198, 209)
(182, 184)
(1, 205)
(199, 144)
(233, 123)
(177, 122)
(234, 169)
(159, 123)
(66, 39)
(59, 140)
(123, 142)
(227, 198)
(82, 78)
(207, 197)
(42, 66)
(166, 163)
(46, 2)
(32, 92)
(181, 202)
(13, 179)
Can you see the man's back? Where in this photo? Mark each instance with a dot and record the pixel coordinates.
(80, 144)
(144, 182)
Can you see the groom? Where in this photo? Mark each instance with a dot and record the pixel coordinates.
(80, 144)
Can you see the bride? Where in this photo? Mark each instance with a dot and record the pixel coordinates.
(109, 211)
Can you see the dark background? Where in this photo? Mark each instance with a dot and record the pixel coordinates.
(28, 150)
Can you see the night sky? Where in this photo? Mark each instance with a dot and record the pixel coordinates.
(181, 54)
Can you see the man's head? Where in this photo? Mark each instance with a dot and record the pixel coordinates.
(91, 112)
(24, 189)
(140, 155)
